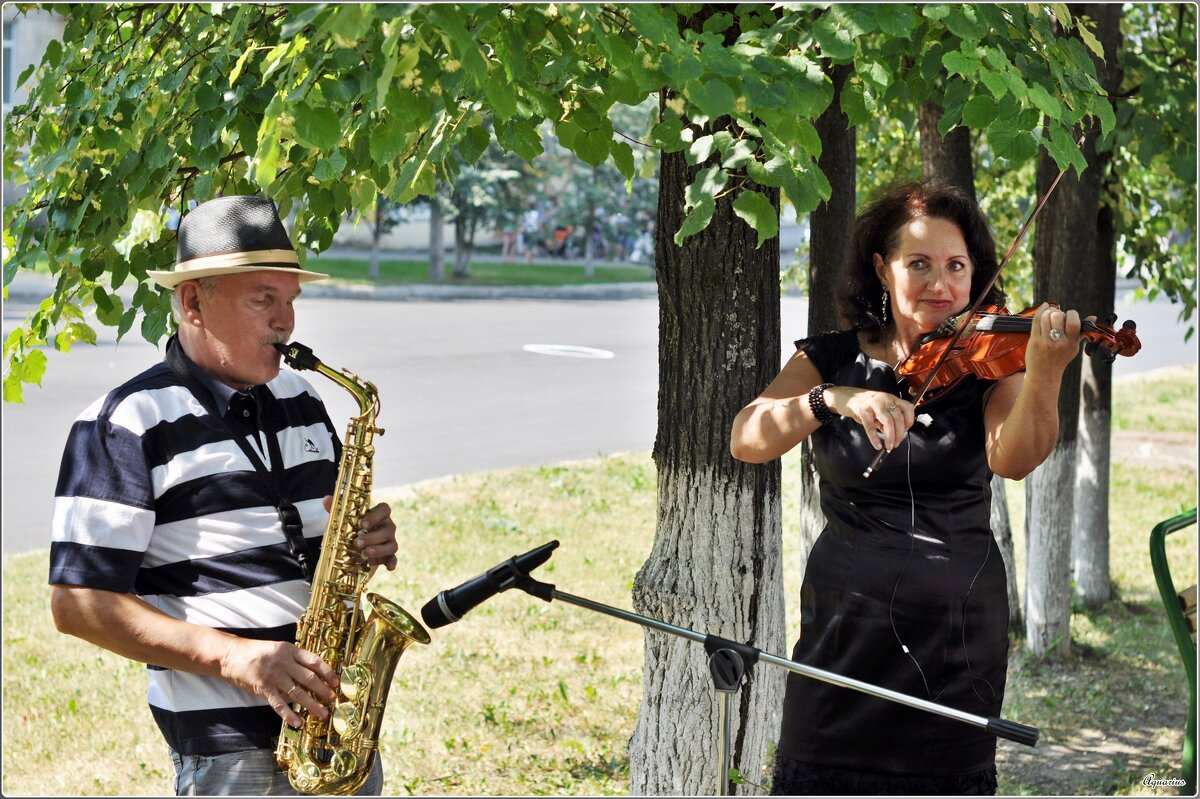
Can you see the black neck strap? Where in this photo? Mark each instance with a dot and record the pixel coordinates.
(273, 478)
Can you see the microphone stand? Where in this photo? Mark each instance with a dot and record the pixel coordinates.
(728, 661)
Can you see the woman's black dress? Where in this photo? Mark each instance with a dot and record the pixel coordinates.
(905, 588)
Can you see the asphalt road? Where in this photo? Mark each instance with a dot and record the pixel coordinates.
(460, 390)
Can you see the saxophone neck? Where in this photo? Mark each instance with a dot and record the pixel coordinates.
(301, 357)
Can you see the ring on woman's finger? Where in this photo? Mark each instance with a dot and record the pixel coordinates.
(1056, 334)
(891, 407)
(292, 690)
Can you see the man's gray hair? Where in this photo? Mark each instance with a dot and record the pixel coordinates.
(206, 284)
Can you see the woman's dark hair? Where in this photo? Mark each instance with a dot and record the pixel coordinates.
(877, 230)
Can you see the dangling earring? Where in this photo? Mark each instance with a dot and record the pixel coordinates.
(883, 304)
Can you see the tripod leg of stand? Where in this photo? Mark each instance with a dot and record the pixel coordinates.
(727, 668)
(724, 711)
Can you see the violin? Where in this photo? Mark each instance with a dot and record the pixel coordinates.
(992, 345)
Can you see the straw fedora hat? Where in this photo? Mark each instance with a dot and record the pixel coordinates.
(229, 235)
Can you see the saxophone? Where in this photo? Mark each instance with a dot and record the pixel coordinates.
(334, 755)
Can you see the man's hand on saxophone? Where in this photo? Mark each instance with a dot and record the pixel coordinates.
(377, 542)
(282, 673)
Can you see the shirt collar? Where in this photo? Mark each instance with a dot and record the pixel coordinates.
(222, 394)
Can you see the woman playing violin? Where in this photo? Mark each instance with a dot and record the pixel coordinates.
(905, 587)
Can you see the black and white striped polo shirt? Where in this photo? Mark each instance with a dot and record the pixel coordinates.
(156, 499)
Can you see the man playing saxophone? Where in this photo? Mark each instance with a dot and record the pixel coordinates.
(191, 505)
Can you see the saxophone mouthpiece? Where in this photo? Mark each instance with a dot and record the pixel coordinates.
(298, 356)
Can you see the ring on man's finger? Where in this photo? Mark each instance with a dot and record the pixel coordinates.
(1056, 334)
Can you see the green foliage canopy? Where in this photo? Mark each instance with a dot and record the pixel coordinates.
(144, 108)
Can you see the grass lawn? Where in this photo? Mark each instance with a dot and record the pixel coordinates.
(527, 698)
(482, 273)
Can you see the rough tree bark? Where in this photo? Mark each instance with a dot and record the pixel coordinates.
(948, 158)
(1065, 238)
(1090, 530)
(715, 564)
(951, 159)
(829, 225)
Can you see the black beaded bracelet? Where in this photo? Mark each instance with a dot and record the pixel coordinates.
(816, 402)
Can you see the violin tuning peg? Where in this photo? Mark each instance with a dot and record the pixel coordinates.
(1128, 324)
(1109, 319)
(1090, 347)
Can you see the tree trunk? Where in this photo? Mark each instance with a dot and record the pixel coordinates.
(1090, 531)
(437, 247)
(376, 235)
(715, 564)
(589, 271)
(1063, 240)
(830, 225)
(462, 249)
(1002, 531)
(951, 159)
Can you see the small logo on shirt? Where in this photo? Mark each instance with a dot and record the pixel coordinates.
(309, 446)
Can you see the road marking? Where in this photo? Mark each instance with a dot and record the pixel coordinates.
(568, 351)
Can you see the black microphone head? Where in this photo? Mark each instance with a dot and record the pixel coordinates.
(435, 616)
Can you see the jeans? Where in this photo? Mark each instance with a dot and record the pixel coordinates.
(250, 773)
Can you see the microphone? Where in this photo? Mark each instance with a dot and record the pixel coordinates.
(451, 605)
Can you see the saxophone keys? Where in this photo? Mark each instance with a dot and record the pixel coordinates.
(355, 681)
(305, 777)
(347, 720)
(344, 763)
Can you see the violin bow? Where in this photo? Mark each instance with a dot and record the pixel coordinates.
(975, 306)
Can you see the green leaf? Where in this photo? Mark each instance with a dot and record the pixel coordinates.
(895, 19)
(708, 183)
(835, 40)
(593, 146)
(1090, 40)
(699, 151)
(854, 104)
(1063, 149)
(1010, 142)
(501, 96)
(30, 369)
(994, 82)
(462, 42)
(330, 168)
(668, 134)
(1042, 100)
(695, 220)
(622, 155)
(75, 331)
(741, 153)
(963, 21)
(520, 136)
(756, 210)
(266, 161)
(473, 143)
(957, 62)
(319, 128)
(979, 111)
(713, 97)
